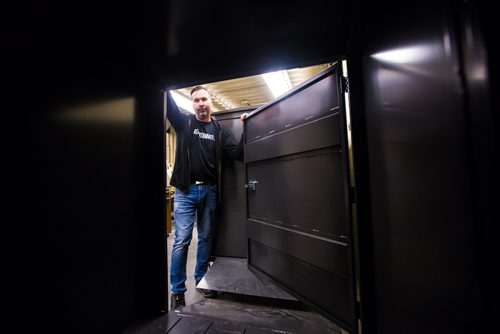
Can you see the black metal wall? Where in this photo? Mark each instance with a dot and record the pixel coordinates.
(231, 224)
(93, 169)
(427, 272)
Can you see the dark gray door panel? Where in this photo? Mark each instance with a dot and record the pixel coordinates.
(328, 292)
(304, 105)
(297, 195)
(303, 191)
(321, 132)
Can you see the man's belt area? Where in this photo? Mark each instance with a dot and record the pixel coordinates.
(201, 183)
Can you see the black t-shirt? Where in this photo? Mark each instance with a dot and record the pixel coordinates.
(203, 149)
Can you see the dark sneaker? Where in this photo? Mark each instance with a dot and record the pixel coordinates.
(177, 300)
(206, 292)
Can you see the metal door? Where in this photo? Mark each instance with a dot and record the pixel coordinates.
(298, 195)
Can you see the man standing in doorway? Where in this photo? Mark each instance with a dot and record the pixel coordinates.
(201, 144)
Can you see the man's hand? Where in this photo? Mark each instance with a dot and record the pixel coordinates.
(243, 116)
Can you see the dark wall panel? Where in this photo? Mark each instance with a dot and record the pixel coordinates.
(94, 178)
(253, 40)
(95, 202)
(231, 224)
(424, 235)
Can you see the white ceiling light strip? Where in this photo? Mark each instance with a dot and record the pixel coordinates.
(278, 82)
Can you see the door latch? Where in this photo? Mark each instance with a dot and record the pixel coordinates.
(251, 185)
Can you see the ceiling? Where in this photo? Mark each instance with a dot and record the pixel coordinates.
(251, 90)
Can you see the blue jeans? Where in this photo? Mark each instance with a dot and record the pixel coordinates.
(199, 202)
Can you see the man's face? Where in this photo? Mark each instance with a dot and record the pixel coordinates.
(202, 105)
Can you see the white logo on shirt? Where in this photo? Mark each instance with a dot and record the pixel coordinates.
(203, 135)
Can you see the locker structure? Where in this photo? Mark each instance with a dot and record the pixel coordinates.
(404, 242)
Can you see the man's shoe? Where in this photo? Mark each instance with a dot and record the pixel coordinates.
(177, 300)
(206, 292)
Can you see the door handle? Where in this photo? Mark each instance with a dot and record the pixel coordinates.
(251, 185)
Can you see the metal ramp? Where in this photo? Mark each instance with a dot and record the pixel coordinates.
(247, 302)
(232, 275)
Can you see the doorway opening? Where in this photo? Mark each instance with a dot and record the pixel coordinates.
(229, 98)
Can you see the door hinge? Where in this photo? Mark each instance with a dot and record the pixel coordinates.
(344, 84)
(352, 194)
(358, 317)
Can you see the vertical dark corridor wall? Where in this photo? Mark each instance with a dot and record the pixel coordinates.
(426, 226)
(94, 170)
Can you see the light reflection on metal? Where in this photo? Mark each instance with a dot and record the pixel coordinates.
(109, 112)
(407, 55)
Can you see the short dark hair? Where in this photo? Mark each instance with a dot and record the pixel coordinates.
(196, 88)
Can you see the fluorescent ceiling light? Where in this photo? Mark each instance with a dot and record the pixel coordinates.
(182, 101)
(278, 82)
